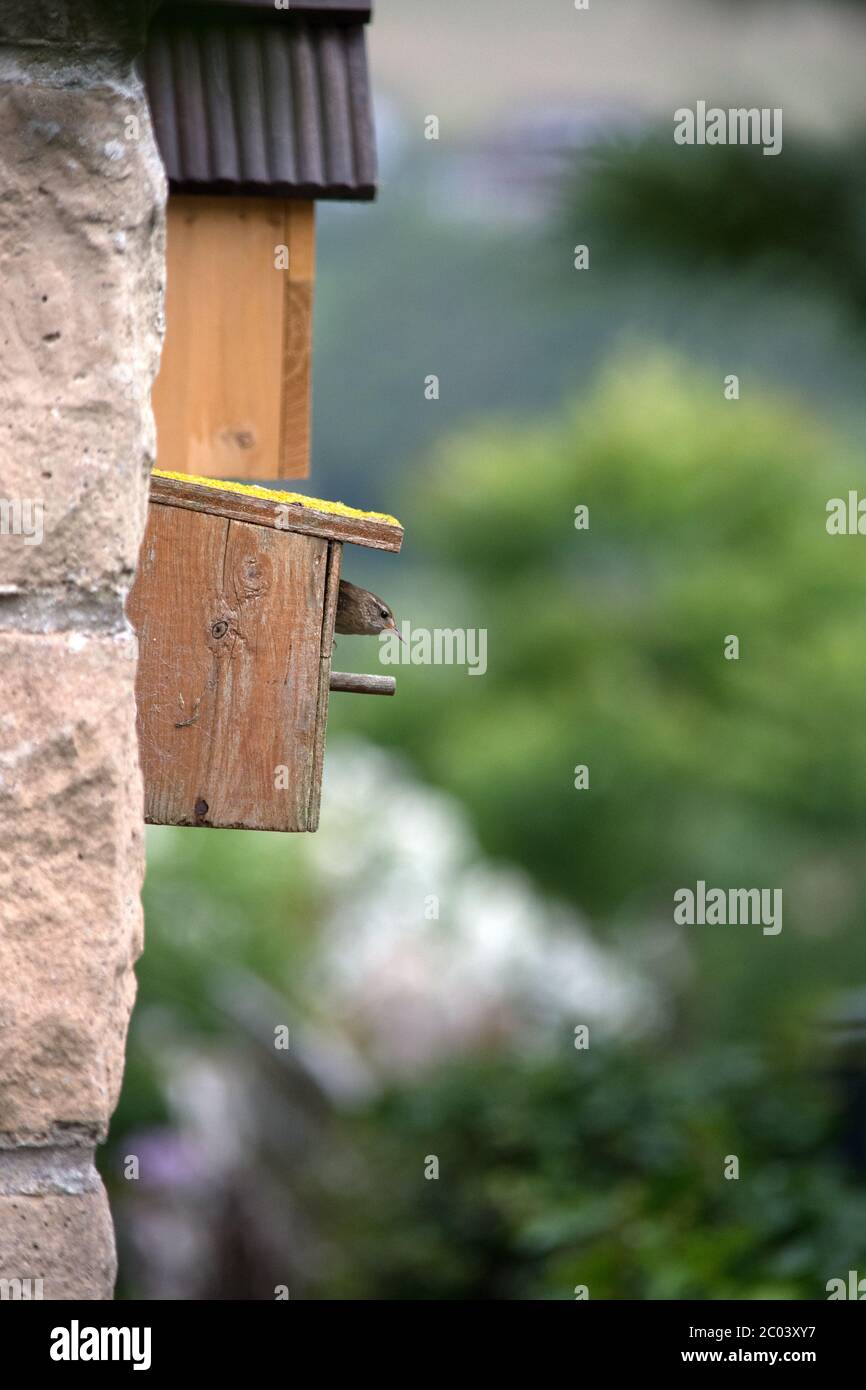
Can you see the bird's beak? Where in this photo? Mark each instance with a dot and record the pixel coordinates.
(394, 628)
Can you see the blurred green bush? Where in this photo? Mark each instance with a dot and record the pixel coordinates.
(602, 1169)
(707, 518)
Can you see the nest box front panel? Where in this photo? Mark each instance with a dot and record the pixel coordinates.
(235, 629)
(232, 399)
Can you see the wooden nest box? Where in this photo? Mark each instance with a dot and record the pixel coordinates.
(259, 109)
(234, 604)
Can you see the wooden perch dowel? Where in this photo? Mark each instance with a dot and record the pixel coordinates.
(363, 685)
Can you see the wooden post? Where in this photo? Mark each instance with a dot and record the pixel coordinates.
(232, 399)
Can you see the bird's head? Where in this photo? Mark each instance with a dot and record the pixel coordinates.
(381, 618)
(361, 611)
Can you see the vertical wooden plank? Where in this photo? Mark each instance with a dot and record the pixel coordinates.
(232, 396)
(172, 609)
(295, 422)
(266, 710)
(332, 587)
(229, 618)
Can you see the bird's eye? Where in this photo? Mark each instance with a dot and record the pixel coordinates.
(383, 613)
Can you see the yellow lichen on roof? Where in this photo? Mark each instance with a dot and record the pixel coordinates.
(317, 504)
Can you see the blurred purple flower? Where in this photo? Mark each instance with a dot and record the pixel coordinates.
(168, 1159)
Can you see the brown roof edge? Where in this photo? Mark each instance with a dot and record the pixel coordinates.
(284, 511)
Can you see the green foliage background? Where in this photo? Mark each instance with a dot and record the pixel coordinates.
(707, 518)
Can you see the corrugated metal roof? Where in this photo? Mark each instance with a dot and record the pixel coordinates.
(275, 103)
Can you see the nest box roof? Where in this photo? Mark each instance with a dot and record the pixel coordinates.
(285, 511)
(250, 99)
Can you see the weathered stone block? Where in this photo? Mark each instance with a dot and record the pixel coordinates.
(66, 1242)
(81, 279)
(71, 863)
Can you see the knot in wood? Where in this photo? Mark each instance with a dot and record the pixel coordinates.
(219, 629)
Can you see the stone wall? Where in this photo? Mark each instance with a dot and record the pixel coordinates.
(82, 198)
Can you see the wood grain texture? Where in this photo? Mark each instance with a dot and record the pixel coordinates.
(329, 618)
(229, 619)
(232, 399)
(295, 399)
(261, 511)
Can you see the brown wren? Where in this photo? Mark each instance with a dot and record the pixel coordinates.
(362, 614)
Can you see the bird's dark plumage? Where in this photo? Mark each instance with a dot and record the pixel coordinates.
(362, 614)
